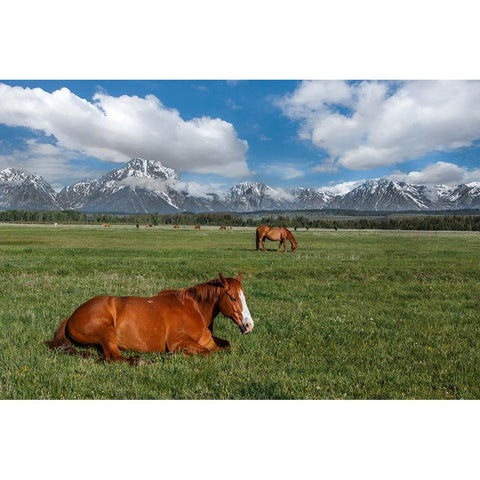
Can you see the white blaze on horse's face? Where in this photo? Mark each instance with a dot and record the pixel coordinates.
(247, 320)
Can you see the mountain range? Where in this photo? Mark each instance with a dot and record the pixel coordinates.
(146, 186)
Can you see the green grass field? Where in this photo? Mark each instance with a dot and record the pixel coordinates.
(350, 315)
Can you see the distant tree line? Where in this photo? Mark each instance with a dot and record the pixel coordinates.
(408, 222)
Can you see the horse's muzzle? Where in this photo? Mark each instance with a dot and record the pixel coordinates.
(246, 327)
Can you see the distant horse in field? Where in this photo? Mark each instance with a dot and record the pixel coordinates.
(149, 225)
(107, 225)
(197, 227)
(170, 321)
(275, 234)
(222, 227)
(176, 227)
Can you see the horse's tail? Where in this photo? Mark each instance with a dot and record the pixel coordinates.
(61, 341)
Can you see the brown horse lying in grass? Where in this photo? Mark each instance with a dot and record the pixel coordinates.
(170, 321)
(275, 234)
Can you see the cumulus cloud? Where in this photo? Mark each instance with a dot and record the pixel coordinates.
(115, 129)
(363, 125)
(440, 173)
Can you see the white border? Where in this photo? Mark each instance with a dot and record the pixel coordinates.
(251, 39)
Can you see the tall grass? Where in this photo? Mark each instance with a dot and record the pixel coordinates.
(351, 314)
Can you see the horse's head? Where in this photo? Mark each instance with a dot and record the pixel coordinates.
(233, 303)
(292, 240)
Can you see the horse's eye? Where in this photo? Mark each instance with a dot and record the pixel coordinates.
(233, 299)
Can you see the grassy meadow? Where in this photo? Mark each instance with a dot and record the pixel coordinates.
(350, 315)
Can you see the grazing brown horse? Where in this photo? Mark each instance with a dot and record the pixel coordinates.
(170, 321)
(222, 227)
(176, 227)
(197, 227)
(275, 234)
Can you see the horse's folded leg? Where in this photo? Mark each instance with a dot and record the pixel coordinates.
(196, 350)
(191, 347)
(111, 350)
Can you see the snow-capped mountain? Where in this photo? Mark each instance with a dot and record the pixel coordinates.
(148, 186)
(389, 195)
(19, 190)
(307, 198)
(467, 195)
(383, 194)
(246, 197)
(144, 186)
(140, 186)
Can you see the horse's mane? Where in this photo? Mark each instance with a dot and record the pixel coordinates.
(204, 292)
(290, 235)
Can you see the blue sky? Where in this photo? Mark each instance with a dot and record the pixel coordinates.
(286, 133)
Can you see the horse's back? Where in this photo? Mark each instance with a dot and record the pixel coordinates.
(272, 233)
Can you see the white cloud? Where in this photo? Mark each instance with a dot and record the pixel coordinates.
(289, 173)
(342, 188)
(234, 106)
(203, 190)
(440, 173)
(370, 124)
(115, 129)
(285, 171)
(279, 193)
(327, 166)
(192, 188)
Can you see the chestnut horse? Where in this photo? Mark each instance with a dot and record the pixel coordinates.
(275, 234)
(170, 321)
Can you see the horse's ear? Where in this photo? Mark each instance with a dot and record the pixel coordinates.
(222, 279)
(240, 276)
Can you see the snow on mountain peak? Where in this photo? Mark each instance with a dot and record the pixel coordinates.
(13, 176)
(140, 168)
